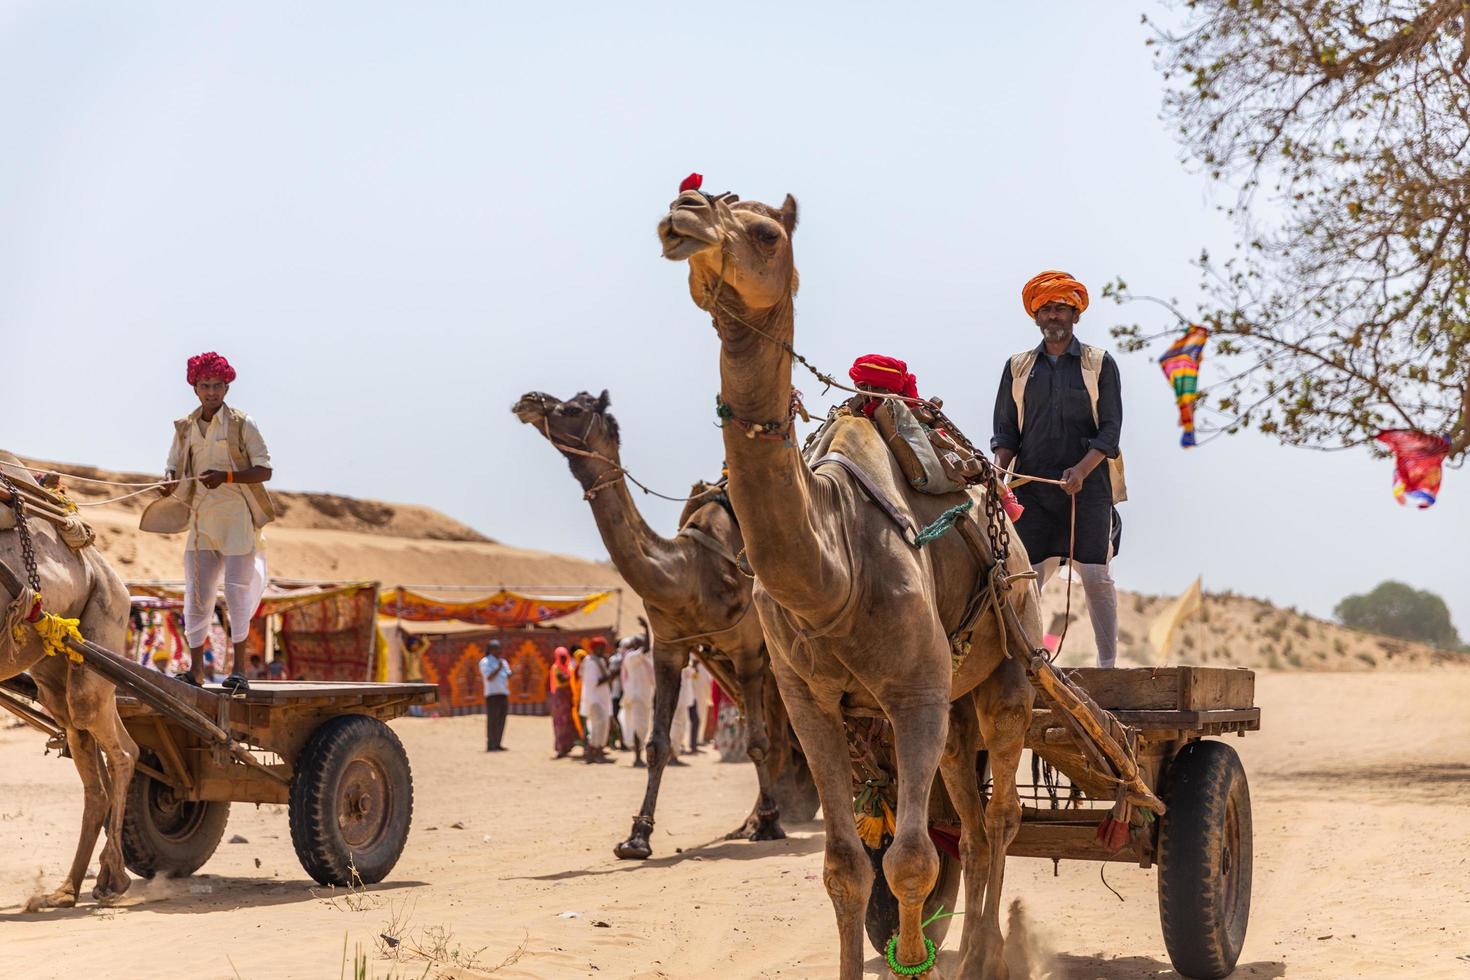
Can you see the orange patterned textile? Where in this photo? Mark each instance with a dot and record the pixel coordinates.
(503, 609)
(452, 661)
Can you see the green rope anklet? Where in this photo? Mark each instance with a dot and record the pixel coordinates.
(942, 523)
(890, 952)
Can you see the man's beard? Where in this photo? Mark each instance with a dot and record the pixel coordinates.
(1056, 335)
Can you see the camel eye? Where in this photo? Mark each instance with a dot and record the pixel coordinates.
(767, 236)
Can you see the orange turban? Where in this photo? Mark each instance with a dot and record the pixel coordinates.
(1053, 286)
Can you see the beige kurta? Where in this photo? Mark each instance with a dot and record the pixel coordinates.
(221, 519)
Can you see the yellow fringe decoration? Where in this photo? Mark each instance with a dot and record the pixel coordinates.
(872, 826)
(54, 631)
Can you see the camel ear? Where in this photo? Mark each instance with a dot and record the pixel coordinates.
(603, 401)
(788, 214)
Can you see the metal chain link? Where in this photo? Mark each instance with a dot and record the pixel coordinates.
(27, 549)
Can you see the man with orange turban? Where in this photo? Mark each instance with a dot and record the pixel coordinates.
(1059, 415)
(219, 462)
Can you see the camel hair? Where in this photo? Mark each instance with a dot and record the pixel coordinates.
(77, 585)
(696, 598)
(854, 615)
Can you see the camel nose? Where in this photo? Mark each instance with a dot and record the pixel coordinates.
(690, 201)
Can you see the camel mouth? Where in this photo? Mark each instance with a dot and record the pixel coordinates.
(532, 407)
(685, 233)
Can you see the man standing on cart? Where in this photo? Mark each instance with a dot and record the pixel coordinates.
(217, 464)
(1059, 415)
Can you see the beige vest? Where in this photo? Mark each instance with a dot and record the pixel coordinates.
(262, 510)
(1092, 360)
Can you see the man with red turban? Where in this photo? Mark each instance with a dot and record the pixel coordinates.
(218, 463)
(1059, 415)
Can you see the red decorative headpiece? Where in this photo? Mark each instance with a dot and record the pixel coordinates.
(209, 365)
(691, 183)
(884, 373)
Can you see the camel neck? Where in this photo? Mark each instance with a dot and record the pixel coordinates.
(651, 564)
(771, 488)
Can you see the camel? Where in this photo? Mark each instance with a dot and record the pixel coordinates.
(77, 585)
(697, 599)
(856, 618)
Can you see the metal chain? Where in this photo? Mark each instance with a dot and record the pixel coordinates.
(23, 528)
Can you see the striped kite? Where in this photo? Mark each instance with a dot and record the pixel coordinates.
(1181, 366)
(1418, 465)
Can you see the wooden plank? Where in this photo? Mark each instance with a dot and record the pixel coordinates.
(1048, 840)
(333, 692)
(1154, 688)
(241, 785)
(1216, 688)
(1168, 688)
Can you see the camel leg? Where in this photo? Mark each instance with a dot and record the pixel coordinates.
(846, 870)
(122, 756)
(666, 667)
(1004, 709)
(957, 766)
(92, 704)
(912, 864)
(764, 822)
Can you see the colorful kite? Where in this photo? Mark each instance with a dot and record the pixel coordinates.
(1181, 366)
(1417, 468)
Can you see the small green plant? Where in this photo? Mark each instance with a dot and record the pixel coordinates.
(1367, 658)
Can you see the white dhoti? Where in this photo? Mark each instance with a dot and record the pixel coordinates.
(599, 719)
(636, 717)
(244, 578)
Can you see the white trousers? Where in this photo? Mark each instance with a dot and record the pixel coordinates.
(244, 582)
(599, 719)
(1102, 603)
(637, 719)
(679, 729)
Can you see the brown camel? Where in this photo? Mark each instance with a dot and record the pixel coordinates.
(857, 618)
(77, 585)
(697, 600)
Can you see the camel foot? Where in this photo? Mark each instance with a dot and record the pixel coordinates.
(637, 847)
(62, 898)
(111, 885)
(634, 849)
(768, 830)
(639, 764)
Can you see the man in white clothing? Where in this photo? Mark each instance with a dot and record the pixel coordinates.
(636, 674)
(596, 705)
(217, 465)
(679, 729)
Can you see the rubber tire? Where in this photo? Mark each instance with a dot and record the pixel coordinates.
(149, 848)
(881, 919)
(1204, 917)
(315, 804)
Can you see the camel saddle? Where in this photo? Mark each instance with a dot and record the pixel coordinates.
(931, 452)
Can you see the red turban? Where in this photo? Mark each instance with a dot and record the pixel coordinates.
(209, 365)
(885, 374)
(1053, 286)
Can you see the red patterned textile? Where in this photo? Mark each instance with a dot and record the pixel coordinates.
(331, 639)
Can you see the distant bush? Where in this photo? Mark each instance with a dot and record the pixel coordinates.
(1302, 630)
(1399, 610)
(1367, 658)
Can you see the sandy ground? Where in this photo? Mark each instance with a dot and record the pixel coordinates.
(1361, 793)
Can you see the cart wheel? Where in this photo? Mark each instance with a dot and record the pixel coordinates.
(1205, 860)
(882, 916)
(162, 834)
(351, 801)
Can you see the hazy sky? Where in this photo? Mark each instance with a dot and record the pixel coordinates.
(394, 219)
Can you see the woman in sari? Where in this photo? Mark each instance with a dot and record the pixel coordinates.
(563, 713)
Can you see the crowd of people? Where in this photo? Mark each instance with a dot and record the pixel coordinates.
(601, 699)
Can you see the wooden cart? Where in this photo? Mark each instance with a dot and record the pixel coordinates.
(1201, 845)
(321, 748)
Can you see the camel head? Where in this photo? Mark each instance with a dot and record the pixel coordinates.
(581, 424)
(738, 250)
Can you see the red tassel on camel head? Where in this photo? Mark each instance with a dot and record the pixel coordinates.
(691, 183)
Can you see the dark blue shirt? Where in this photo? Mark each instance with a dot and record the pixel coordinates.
(1059, 429)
